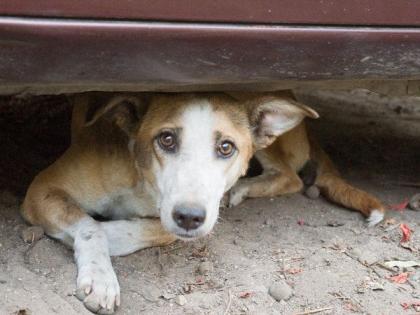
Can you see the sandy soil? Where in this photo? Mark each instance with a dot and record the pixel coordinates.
(323, 252)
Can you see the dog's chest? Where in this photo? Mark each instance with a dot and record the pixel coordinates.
(124, 204)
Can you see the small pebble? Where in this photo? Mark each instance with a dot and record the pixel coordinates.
(205, 268)
(180, 300)
(312, 192)
(415, 202)
(32, 234)
(280, 291)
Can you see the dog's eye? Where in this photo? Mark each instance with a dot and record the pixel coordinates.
(167, 141)
(226, 149)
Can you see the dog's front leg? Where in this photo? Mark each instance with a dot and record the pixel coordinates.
(127, 236)
(62, 218)
(97, 284)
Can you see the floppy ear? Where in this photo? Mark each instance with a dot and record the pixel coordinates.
(271, 117)
(125, 111)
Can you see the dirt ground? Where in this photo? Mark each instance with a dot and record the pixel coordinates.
(333, 263)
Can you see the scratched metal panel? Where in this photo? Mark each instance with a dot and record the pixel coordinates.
(163, 55)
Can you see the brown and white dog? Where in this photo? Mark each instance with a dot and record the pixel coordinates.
(158, 165)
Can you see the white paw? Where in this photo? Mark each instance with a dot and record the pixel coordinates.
(375, 217)
(98, 288)
(237, 194)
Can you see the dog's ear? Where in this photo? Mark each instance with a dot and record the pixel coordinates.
(125, 111)
(271, 117)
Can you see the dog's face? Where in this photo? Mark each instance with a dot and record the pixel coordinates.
(193, 148)
(196, 150)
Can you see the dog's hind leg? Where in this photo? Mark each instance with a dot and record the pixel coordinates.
(63, 219)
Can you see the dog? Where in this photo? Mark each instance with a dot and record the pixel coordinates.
(157, 165)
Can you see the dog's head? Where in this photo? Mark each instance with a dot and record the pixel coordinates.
(191, 148)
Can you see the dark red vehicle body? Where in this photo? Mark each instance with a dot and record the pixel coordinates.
(67, 46)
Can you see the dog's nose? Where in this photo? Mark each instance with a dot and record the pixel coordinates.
(189, 217)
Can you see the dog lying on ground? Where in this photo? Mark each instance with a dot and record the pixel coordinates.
(157, 166)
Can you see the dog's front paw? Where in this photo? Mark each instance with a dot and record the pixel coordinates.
(98, 288)
(237, 194)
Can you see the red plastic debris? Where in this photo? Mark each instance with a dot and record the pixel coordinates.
(407, 305)
(301, 222)
(401, 278)
(400, 206)
(406, 233)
